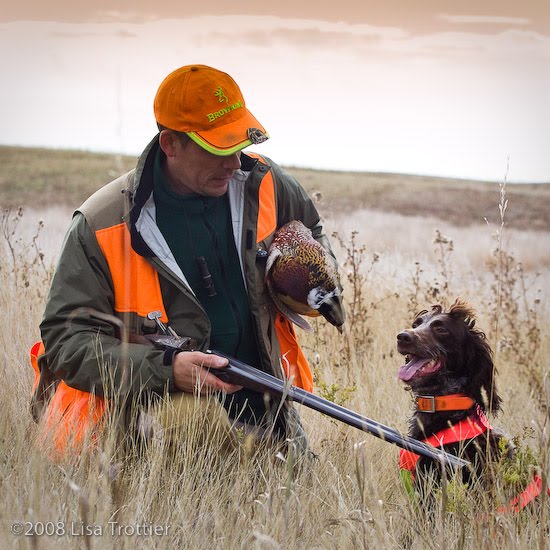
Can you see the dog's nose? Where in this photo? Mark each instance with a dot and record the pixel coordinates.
(404, 337)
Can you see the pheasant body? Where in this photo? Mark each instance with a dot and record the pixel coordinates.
(301, 277)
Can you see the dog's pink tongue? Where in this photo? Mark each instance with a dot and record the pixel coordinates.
(406, 372)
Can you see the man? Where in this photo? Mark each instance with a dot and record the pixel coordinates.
(183, 236)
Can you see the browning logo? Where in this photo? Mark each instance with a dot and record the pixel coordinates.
(220, 94)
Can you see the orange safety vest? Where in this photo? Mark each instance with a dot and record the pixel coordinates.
(468, 428)
(73, 415)
(293, 359)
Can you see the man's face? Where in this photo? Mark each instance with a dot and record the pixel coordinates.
(192, 169)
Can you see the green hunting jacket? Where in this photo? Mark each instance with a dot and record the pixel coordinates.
(81, 345)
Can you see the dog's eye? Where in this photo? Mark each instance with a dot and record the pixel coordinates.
(439, 328)
(416, 323)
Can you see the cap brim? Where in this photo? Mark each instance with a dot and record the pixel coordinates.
(229, 138)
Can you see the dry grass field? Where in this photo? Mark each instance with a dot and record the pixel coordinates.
(404, 243)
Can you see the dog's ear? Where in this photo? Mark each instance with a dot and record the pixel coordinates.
(463, 310)
(481, 384)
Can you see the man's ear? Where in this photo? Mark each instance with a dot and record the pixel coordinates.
(168, 142)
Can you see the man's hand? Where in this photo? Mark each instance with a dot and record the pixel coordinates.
(190, 373)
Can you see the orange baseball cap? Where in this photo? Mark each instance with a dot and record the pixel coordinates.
(209, 107)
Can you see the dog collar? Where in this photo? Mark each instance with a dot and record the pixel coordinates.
(436, 403)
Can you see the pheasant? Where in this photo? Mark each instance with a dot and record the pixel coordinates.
(302, 279)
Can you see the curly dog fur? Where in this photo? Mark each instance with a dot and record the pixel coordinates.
(448, 355)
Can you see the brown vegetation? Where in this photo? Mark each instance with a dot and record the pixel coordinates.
(52, 177)
(351, 495)
(459, 202)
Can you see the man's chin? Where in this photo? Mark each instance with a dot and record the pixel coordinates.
(217, 188)
(215, 192)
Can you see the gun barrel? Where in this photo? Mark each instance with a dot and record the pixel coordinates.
(247, 376)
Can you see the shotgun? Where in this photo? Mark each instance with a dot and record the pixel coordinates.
(241, 374)
(245, 375)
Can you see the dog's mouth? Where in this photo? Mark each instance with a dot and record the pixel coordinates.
(418, 367)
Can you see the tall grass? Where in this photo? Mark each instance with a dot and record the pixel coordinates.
(349, 495)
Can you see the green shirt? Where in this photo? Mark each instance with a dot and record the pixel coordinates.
(199, 232)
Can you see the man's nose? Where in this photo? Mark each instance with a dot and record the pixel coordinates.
(232, 162)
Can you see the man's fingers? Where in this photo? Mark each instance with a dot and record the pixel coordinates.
(210, 382)
(191, 372)
(213, 361)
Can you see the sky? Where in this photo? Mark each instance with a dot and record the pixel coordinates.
(430, 87)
